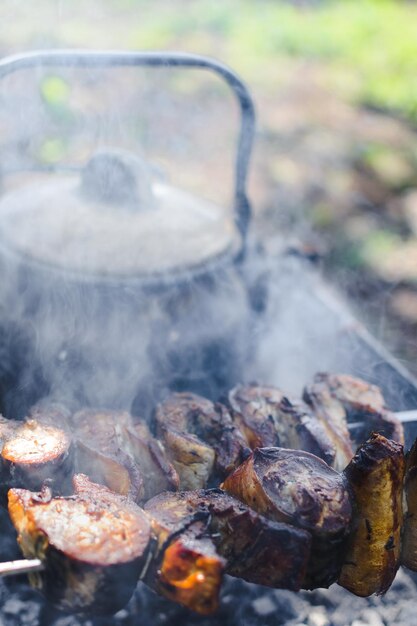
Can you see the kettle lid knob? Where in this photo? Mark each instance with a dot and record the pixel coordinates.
(118, 177)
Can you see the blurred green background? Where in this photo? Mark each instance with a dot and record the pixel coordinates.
(335, 83)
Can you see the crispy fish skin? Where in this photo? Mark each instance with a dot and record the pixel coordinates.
(34, 452)
(185, 421)
(268, 418)
(361, 401)
(185, 567)
(409, 538)
(298, 488)
(375, 476)
(100, 453)
(93, 545)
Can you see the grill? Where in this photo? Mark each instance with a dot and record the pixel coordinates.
(293, 313)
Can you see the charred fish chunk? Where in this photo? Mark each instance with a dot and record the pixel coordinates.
(268, 418)
(200, 437)
(150, 456)
(185, 567)
(93, 545)
(332, 416)
(375, 476)
(34, 452)
(100, 455)
(298, 488)
(51, 413)
(337, 399)
(251, 408)
(256, 549)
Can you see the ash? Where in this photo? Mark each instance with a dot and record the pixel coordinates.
(242, 604)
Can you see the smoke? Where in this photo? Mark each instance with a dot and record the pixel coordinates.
(105, 342)
(99, 343)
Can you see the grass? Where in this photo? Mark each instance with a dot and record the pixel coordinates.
(367, 49)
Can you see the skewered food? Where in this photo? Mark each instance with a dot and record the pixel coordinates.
(297, 534)
(90, 543)
(123, 456)
(200, 437)
(51, 413)
(185, 567)
(375, 476)
(254, 548)
(149, 455)
(409, 538)
(298, 488)
(332, 416)
(33, 452)
(100, 456)
(268, 418)
(340, 398)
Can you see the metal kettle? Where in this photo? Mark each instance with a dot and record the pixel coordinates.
(123, 286)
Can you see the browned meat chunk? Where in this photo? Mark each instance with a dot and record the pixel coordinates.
(409, 539)
(252, 407)
(375, 477)
(300, 489)
(51, 413)
(337, 399)
(33, 452)
(100, 455)
(93, 545)
(150, 456)
(255, 548)
(200, 438)
(268, 418)
(185, 567)
(332, 416)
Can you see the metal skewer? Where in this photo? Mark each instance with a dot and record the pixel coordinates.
(23, 566)
(407, 418)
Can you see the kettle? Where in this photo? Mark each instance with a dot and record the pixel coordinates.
(118, 286)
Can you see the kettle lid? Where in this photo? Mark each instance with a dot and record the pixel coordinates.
(113, 221)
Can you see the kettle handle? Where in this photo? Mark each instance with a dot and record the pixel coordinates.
(87, 59)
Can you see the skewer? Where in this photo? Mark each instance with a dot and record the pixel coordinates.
(405, 417)
(22, 566)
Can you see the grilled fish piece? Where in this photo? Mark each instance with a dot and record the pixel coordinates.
(375, 476)
(33, 452)
(332, 416)
(150, 456)
(340, 398)
(268, 418)
(52, 414)
(298, 488)
(185, 566)
(93, 545)
(200, 437)
(100, 455)
(409, 537)
(254, 548)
